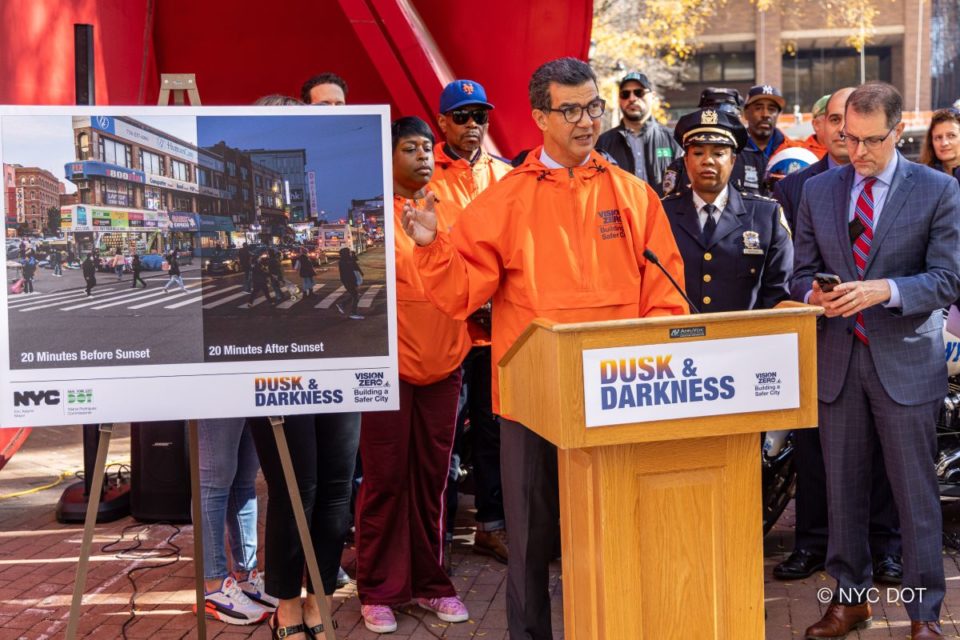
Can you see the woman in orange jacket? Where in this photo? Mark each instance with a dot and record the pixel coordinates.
(406, 453)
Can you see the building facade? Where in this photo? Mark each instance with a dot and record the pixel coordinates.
(291, 164)
(794, 48)
(36, 191)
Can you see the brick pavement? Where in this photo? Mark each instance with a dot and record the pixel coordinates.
(38, 555)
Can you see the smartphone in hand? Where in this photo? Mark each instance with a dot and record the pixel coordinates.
(827, 281)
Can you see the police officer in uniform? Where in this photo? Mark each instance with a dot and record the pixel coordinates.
(736, 247)
(748, 171)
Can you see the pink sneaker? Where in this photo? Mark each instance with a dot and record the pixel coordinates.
(378, 618)
(449, 609)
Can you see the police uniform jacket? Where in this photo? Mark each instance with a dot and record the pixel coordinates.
(747, 263)
(747, 175)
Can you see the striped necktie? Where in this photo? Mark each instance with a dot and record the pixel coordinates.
(861, 247)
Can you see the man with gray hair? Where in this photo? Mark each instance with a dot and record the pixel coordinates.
(876, 247)
(562, 237)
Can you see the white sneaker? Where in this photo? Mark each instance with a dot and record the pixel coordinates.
(231, 605)
(254, 588)
(356, 316)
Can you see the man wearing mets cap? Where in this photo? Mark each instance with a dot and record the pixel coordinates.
(463, 170)
(736, 247)
(562, 237)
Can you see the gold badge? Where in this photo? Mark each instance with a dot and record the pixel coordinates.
(708, 117)
(751, 243)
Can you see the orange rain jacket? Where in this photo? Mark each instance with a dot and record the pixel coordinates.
(460, 182)
(564, 244)
(431, 343)
(814, 145)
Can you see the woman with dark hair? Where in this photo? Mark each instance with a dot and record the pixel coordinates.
(350, 276)
(941, 147)
(406, 453)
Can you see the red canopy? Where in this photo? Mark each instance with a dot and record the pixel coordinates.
(395, 51)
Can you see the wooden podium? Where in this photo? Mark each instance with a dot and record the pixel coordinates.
(661, 521)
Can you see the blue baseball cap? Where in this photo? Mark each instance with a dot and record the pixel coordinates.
(461, 93)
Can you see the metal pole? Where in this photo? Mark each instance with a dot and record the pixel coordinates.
(197, 516)
(863, 52)
(313, 569)
(93, 506)
(916, 103)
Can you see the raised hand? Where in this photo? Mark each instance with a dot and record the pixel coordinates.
(421, 224)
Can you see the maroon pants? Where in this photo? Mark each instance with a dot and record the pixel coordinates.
(406, 463)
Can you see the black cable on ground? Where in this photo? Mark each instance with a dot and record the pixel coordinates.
(138, 552)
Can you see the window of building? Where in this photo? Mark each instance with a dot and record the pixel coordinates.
(203, 177)
(244, 173)
(152, 198)
(232, 190)
(179, 170)
(813, 73)
(116, 193)
(115, 152)
(246, 194)
(231, 169)
(257, 181)
(182, 203)
(83, 146)
(721, 66)
(151, 163)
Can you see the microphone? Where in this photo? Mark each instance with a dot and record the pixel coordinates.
(652, 257)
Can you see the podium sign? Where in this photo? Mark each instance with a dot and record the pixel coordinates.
(660, 491)
(688, 380)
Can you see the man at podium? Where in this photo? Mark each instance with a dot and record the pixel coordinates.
(561, 237)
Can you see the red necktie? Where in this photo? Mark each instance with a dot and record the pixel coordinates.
(861, 247)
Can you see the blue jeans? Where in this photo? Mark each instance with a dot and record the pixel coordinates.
(228, 474)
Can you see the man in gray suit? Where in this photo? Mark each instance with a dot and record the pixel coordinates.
(890, 229)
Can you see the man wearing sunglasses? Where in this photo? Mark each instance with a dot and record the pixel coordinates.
(462, 171)
(562, 237)
(640, 144)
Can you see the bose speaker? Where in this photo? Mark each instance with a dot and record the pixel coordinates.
(159, 471)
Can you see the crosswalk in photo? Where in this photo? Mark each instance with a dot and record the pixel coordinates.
(207, 294)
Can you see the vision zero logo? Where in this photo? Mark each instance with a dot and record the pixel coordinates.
(48, 397)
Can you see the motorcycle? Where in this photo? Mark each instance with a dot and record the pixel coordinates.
(779, 474)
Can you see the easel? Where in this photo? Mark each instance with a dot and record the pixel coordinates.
(180, 83)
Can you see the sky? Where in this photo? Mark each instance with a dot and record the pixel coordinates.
(343, 150)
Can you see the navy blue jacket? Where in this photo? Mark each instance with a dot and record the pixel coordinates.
(727, 275)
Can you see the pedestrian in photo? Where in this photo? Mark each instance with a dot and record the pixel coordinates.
(137, 266)
(243, 255)
(260, 280)
(28, 270)
(941, 146)
(56, 263)
(406, 453)
(118, 263)
(89, 269)
(174, 273)
(276, 273)
(350, 277)
(304, 267)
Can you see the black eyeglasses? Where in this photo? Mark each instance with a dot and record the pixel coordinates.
(462, 116)
(574, 113)
(626, 93)
(872, 143)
